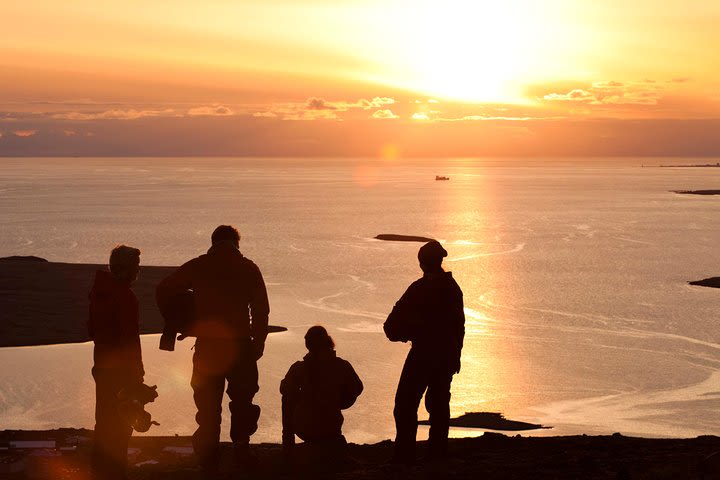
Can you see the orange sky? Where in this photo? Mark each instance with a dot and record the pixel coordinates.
(429, 78)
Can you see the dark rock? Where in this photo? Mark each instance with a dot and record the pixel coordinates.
(391, 237)
(697, 192)
(19, 258)
(712, 282)
(488, 420)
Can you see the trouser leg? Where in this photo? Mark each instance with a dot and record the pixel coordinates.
(207, 392)
(112, 434)
(242, 387)
(289, 403)
(410, 390)
(437, 403)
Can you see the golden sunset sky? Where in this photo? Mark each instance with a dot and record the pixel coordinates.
(360, 78)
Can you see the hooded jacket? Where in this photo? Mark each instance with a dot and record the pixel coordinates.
(228, 293)
(114, 325)
(324, 384)
(430, 315)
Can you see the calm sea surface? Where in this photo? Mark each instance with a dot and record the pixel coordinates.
(574, 273)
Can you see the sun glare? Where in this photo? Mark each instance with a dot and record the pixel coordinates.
(473, 51)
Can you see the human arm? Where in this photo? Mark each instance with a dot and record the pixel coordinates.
(290, 385)
(397, 327)
(174, 284)
(352, 387)
(458, 317)
(259, 313)
(169, 288)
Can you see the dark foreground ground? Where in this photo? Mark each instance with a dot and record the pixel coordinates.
(492, 456)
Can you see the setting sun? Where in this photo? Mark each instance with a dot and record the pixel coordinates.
(267, 177)
(473, 51)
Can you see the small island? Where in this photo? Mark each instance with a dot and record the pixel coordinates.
(700, 165)
(697, 192)
(489, 421)
(391, 237)
(712, 282)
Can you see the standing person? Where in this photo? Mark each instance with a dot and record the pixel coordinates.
(113, 325)
(314, 392)
(231, 311)
(430, 315)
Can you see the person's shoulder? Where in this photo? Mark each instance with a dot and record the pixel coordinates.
(249, 264)
(194, 261)
(343, 363)
(296, 367)
(456, 286)
(449, 279)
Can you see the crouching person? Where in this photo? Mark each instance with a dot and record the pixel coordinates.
(315, 391)
(113, 325)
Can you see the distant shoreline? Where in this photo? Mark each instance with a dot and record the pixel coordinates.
(45, 303)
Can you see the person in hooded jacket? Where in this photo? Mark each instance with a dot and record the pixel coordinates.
(231, 324)
(113, 325)
(314, 392)
(430, 315)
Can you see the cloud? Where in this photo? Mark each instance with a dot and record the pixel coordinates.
(314, 103)
(420, 116)
(114, 114)
(611, 93)
(311, 115)
(486, 118)
(317, 108)
(24, 133)
(376, 102)
(576, 95)
(245, 135)
(384, 114)
(214, 110)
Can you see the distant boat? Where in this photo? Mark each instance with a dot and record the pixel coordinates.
(440, 177)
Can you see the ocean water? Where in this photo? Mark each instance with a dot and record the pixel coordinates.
(574, 273)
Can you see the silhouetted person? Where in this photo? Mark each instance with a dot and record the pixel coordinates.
(315, 390)
(430, 315)
(231, 310)
(114, 327)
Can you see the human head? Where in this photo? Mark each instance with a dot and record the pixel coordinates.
(226, 233)
(431, 256)
(125, 263)
(317, 339)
